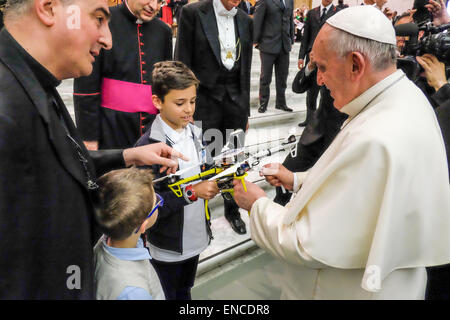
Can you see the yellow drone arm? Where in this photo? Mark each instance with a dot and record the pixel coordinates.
(175, 187)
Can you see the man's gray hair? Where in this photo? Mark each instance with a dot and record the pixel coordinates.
(20, 7)
(380, 55)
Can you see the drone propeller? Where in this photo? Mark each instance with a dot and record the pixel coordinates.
(227, 172)
(178, 173)
(254, 160)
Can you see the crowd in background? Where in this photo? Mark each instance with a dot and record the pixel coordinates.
(229, 85)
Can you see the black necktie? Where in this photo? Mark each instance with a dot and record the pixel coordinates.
(282, 4)
(324, 12)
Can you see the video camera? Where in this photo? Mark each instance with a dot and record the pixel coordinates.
(435, 41)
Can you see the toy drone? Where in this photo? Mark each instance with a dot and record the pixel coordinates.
(229, 165)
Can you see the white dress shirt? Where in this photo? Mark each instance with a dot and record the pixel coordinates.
(327, 7)
(227, 35)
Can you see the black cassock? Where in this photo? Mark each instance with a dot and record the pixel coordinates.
(113, 105)
(46, 216)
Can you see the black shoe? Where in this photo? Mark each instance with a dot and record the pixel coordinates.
(284, 108)
(262, 109)
(303, 124)
(237, 224)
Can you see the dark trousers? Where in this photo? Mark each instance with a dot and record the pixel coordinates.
(281, 63)
(214, 116)
(438, 286)
(305, 159)
(311, 96)
(177, 278)
(311, 101)
(222, 116)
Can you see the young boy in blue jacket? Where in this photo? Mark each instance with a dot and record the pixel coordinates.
(182, 230)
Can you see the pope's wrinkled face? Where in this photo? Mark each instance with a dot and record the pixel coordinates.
(332, 71)
(230, 4)
(145, 10)
(80, 32)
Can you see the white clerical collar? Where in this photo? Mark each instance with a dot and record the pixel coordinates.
(221, 11)
(174, 136)
(356, 105)
(138, 21)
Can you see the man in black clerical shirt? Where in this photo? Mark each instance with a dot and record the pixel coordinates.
(46, 173)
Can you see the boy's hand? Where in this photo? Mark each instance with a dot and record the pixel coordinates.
(206, 189)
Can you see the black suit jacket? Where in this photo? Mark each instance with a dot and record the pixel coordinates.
(46, 217)
(176, 7)
(312, 27)
(198, 47)
(273, 27)
(442, 100)
(326, 121)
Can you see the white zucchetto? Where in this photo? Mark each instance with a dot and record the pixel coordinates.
(365, 22)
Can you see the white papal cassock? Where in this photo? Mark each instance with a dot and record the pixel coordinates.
(373, 211)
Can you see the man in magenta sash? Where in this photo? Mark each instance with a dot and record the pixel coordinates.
(113, 105)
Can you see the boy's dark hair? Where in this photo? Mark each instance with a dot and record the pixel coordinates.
(124, 199)
(170, 75)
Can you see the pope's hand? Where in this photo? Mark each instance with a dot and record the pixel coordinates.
(158, 153)
(245, 199)
(277, 175)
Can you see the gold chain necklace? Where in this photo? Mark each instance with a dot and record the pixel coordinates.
(230, 52)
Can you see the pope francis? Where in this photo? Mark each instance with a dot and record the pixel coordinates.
(374, 211)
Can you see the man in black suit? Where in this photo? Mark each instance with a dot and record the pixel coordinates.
(215, 40)
(315, 18)
(274, 34)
